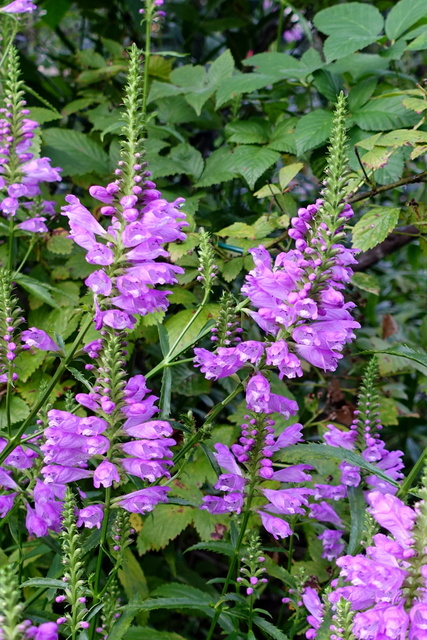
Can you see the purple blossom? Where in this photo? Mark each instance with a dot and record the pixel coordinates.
(6, 503)
(393, 515)
(276, 526)
(323, 512)
(91, 516)
(39, 339)
(105, 474)
(35, 225)
(36, 525)
(287, 501)
(315, 607)
(144, 500)
(333, 544)
(258, 394)
(19, 6)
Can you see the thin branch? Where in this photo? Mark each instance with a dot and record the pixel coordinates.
(421, 177)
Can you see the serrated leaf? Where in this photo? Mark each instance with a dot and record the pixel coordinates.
(27, 363)
(232, 268)
(360, 94)
(253, 131)
(122, 625)
(374, 227)
(377, 158)
(383, 114)
(217, 546)
(403, 351)
(186, 159)
(415, 104)
(312, 452)
(165, 523)
(313, 130)
(357, 503)
(267, 191)
(350, 27)
(43, 582)
(269, 628)
(403, 15)
(36, 288)
(219, 167)
(252, 162)
(288, 173)
(387, 406)
(237, 230)
(175, 596)
(77, 105)
(42, 115)
(75, 152)
(360, 65)
(19, 410)
(132, 579)
(60, 244)
(366, 282)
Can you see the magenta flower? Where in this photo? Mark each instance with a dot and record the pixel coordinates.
(315, 607)
(105, 474)
(393, 515)
(144, 500)
(6, 503)
(47, 631)
(276, 526)
(36, 525)
(91, 516)
(19, 6)
(39, 339)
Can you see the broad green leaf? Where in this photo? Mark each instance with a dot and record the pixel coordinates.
(419, 44)
(313, 130)
(357, 505)
(350, 27)
(387, 408)
(391, 171)
(92, 76)
(27, 363)
(415, 104)
(403, 137)
(366, 282)
(163, 90)
(219, 167)
(253, 131)
(276, 571)
(288, 173)
(361, 93)
(359, 65)
(241, 83)
(403, 15)
(269, 628)
(377, 158)
(312, 452)
(120, 628)
(165, 523)
(237, 230)
(383, 114)
(283, 137)
(328, 84)
(374, 227)
(185, 159)
(232, 268)
(267, 191)
(277, 65)
(59, 243)
(133, 580)
(252, 162)
(75, 152)
(176, 596)
(221, 68)
(42, 115)
(78, 105)
(54, 11)
(159, 67)
(148, 633)
(19, 410)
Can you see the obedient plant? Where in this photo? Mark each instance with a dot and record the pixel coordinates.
(83, 474)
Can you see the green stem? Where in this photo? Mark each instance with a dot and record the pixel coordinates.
(96, 593)
(280, 25)
(232, 566)
(412, 475)
(30, 248)
(9, 400)
(147, 54)
(11, 239)
(16, 440)
(9, 44)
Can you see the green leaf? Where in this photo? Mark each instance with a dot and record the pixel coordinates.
(269, 628)
(359, 65)
(415, 104)
(276, 571)
(328, 84)
(241, 83)
(350, 27)
(403, 15)
(374, 227)
(252, 162)
(187, 160)
(148, 633)
(377, 158)
(176, 596)
(314, 452)
(360, 94)
(232, 268)
(178, 321)
(78, 105)
(384, 114)
(219, 167)
(366, 282)
(36, 288)
(357, 505)
(288, 173)
(252, 131)
(60, 244)
(313, 130)
(42, 115)
(19, 410)
(216, 546)
(419, 44)
(43, 582)
(76, 153)
(277, 65)
(133, 580)
(221, 68)
(162, 525)
(403, 351)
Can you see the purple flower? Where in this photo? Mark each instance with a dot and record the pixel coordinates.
(418, 618)
(226, 460)
(336, 438)
(47, 631)
(36, 526)
(276, 526)
(333, 545)
(39, 170)
(230, 503)
(19, 6)
(393, 515)
(312, 602)
(287, 501)
(105, 474)
(144, 500)
(35, 225)
(6, 503)
(350, 474)
(99, 283)
(323, 512)
(91, 516)
(39, 339)
(258, 394)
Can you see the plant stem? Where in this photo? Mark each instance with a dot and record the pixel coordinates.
(147, 53)
(16, 440)
(421, 177)
(96, 593)
(30, 248)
